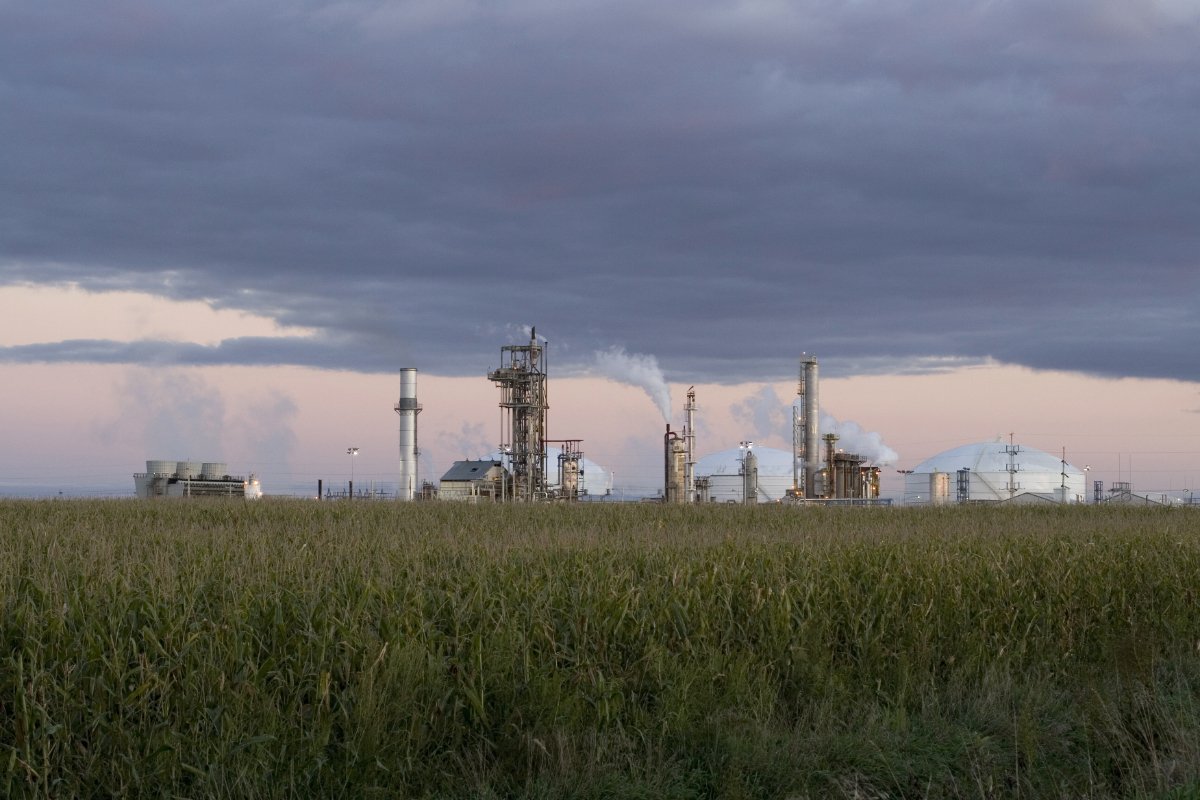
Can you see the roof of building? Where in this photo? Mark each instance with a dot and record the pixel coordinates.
(469, 470)
(1032, 498)
(1134, 499)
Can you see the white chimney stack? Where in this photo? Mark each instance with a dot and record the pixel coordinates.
(408, 408)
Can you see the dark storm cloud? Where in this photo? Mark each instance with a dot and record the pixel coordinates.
(722, 185)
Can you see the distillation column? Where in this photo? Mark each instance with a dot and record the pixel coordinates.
(408, 408)
(749, 476)
(674, 467)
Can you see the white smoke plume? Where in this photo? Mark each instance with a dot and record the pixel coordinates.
(764, 414)
(262, 431)
(853, 439)
(172, 412)
(636, 369)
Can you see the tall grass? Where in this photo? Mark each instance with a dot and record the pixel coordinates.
(305, 649)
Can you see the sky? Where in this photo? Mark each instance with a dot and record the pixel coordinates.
(226, 226)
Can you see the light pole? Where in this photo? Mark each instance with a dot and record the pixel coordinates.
(352, 452)
(904, 491)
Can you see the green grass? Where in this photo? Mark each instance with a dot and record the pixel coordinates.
(301, 649)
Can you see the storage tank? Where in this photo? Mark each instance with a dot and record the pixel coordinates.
(996, 471)
(568, 477)
(723, 473)
(939, 488)
(214, 470)
(188, 470)
(161, 467)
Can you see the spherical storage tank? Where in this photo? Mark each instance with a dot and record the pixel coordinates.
(724, 472)
(937, 480)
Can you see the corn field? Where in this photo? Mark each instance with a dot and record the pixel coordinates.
(302, 649)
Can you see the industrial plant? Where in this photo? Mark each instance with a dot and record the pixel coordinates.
(751, 475)
(193, 479)
(815, 471)
(520, 472)
(528, 466)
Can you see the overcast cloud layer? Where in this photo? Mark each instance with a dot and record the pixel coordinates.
(719, 184)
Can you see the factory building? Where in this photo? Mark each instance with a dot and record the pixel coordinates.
(193, 479)
(991, 472)
(846, 476)
(749, 474)
(1121, 494)
(765, 475)
(474, 482)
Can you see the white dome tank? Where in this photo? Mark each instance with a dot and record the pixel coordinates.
(724, 472)
(989, 464)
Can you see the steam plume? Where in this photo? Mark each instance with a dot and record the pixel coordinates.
(636, 369)
(853, 439)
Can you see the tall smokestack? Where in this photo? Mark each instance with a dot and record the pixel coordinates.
(689, 439)
(408, 408)
(812, 432)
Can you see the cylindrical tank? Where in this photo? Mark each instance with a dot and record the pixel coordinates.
(161, 467)
(812, 429)
(939, 488)
(188, 469)
(408, 408)
(214, 470)
(568, 478)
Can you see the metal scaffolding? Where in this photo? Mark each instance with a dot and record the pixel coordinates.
(523, 403)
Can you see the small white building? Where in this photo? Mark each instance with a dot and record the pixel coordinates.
(473, 481)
